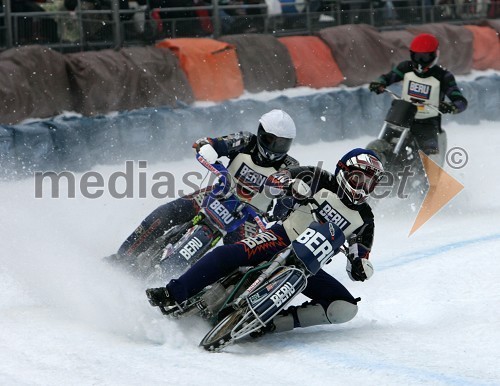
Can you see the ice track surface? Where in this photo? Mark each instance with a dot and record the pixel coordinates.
(429, 315)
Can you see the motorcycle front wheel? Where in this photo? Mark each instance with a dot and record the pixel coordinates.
(229, 329)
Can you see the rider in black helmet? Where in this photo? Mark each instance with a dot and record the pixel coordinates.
(252, 158)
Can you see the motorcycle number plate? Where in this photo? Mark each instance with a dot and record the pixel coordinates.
(317, 245)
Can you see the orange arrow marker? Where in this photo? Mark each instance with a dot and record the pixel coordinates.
(442, 189)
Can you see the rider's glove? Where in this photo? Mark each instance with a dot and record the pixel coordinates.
(277, 184)
(208, 152)
(377, 87)
(202, 141)
(359, 268)
(300, 189)
(447, 108)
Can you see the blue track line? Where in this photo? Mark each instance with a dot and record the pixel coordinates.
(414, 256)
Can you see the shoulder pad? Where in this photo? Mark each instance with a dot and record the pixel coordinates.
(289, 162)
(406, 65)
(437, 72)
(366, 212)
(237, 141)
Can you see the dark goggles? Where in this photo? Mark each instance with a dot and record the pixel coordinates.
(423, 58)
(363, 180)
(272, 143)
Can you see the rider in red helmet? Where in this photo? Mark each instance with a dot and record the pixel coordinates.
(426, 82)
(424, 52)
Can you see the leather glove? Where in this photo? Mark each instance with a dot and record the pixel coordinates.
(197, 145)
(447, 108)
(209, 153)
(300, 189)
(359, 269)
(276, 184)
(377, 87)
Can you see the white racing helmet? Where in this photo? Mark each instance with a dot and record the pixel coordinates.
(275, 134)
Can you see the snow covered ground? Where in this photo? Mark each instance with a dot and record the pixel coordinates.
(429, 315)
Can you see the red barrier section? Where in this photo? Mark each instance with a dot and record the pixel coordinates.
(211, 67)
(313, 62)
(486, 46)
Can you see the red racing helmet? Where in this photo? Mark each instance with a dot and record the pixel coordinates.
(424, 52)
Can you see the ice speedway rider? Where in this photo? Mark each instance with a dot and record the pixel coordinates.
(424, 81)
(252, 158)
(339, 198)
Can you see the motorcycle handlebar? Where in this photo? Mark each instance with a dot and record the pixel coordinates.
(398, 97)
(219, 171)
(212, 168)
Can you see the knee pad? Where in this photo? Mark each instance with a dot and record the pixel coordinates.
(338, 311)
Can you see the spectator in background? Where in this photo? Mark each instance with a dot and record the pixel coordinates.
(255, 16)
(97, 26)
(182, 23)
(243, 20)
(292, 16)
(36, 29)
(204, 17)
(67, 25)
(493, 9)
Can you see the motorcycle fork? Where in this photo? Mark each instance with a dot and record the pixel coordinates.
(242, 281)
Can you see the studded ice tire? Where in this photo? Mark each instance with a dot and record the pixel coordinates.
(221, 335)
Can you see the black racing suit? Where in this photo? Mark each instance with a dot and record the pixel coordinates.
(245, 161)
(421, 87)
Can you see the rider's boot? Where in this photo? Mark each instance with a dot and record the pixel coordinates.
(114, 259)
(159, 297)
(121, 261)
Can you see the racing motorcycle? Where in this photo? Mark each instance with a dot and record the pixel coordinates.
(221, 212)
(399, 151)
(245, 301)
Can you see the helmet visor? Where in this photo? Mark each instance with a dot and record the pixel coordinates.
(272, 143)
(423, 58)
(359, 180)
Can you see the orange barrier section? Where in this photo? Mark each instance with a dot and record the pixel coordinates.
(211, 67)
(486, 45)
(313, 61)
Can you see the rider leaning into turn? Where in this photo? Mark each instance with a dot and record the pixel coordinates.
(252, 158)
(338, 198)
(426, 82)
